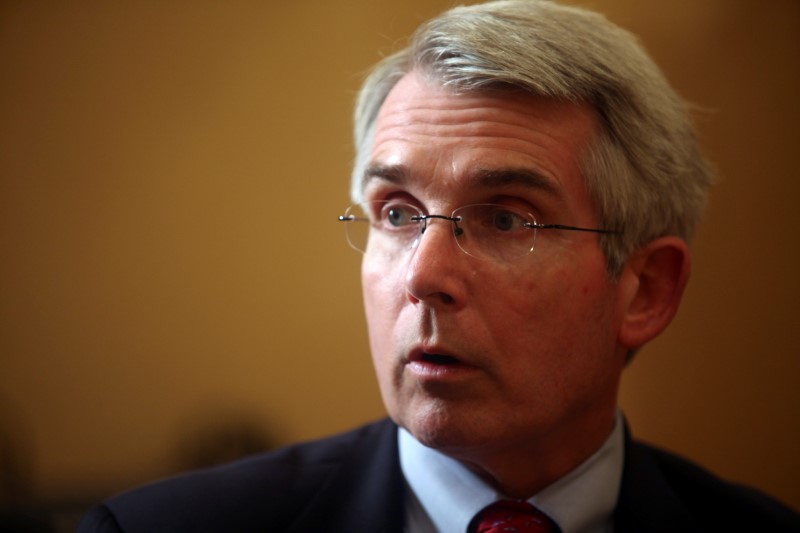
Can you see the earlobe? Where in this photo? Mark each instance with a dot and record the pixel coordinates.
(655, 277)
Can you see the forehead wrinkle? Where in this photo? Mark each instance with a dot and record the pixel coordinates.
(453, 113)
(527, 142)
(520, 140)
(454, 131)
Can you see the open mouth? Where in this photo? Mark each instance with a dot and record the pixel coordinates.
(437, 367)
(437, 359)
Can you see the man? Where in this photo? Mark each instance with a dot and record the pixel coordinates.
(527, 184)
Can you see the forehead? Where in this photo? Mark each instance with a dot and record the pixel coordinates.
(430, 135)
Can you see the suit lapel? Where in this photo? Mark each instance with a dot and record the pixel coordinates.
(364, 491)
(647, 503)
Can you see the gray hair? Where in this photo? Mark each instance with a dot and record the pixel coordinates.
(644, 171)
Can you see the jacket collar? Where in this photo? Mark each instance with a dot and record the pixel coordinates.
(363, 492)
(647, 502)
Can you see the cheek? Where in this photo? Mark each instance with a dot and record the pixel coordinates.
(536, 294)
(560, 307)
(382, 290)
(379, 286)
(381, 307)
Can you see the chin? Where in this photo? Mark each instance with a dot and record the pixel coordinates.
(439, 428)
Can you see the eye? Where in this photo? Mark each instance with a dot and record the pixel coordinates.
(399, 215)
(505, 220)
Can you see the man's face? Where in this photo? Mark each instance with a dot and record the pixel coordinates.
(474, 355)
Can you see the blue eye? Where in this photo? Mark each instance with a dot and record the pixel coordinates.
(399, 215)
(505, 221)
(395, 216)
(496, 218)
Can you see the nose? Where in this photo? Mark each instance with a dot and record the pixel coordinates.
(435, 273)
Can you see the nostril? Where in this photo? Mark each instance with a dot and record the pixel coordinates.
(446, 298)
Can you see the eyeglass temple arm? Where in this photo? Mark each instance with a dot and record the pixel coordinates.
(570, 228)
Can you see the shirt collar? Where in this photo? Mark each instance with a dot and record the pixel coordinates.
(450, 495)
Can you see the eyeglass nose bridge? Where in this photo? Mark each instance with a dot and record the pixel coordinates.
(423, 219)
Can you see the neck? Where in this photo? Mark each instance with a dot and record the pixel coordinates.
(521, 470)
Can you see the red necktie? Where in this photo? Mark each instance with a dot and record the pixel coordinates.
(506, 516)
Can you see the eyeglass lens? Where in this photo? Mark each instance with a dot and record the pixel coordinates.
(487, 231)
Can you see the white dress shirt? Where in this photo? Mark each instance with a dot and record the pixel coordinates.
(442, 495)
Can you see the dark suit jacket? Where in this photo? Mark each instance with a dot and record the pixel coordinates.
(353, 483)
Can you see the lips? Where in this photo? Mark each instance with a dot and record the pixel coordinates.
(433, 356)
(431, 365)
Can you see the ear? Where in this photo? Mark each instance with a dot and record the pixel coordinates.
(653, 281)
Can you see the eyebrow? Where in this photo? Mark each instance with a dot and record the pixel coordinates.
(497, 178)
(510, 177)
(391, 173)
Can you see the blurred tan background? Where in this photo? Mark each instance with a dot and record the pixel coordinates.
(171, 265)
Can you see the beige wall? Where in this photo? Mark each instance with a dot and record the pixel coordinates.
(171, 175)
